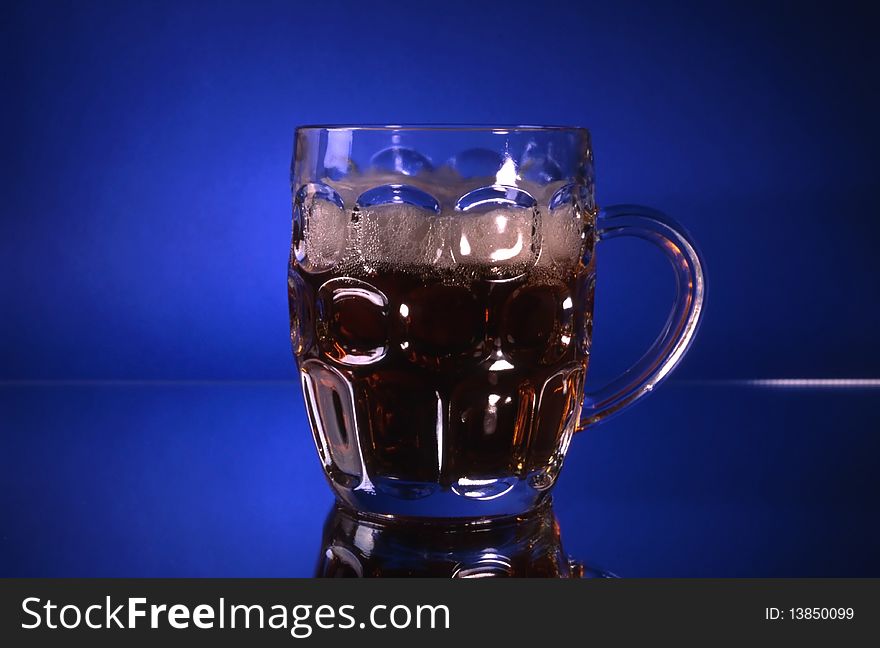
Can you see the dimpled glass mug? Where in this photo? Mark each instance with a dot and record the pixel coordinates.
(441, 310)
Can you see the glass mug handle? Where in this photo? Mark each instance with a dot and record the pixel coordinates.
(678, 332)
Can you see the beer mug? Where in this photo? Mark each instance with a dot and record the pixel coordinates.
(440, 286)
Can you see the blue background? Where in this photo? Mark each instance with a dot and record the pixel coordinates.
(145, 233)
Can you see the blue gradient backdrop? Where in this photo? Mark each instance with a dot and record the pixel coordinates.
(146, 207)
(147, 145)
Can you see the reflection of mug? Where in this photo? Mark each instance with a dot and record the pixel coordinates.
(441, 314)
(518, 546)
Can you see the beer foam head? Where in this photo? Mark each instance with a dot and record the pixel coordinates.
(495, 240)
(402, 234)
(563, 235)
(504, 240)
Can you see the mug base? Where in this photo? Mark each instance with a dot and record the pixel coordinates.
(470, 503)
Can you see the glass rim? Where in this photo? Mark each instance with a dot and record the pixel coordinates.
(500, 129)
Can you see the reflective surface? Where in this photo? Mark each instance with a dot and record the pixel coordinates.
(202, 479)
(525, 546)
